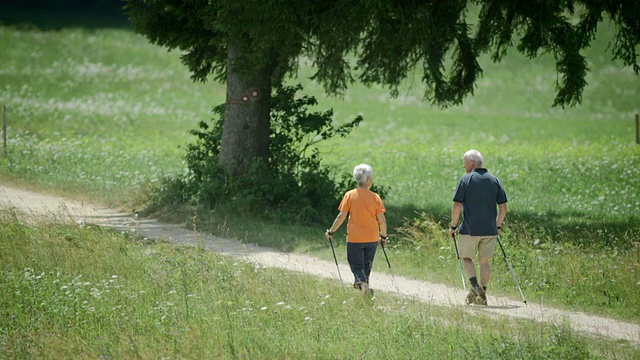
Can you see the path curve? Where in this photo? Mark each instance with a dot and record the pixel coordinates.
(46, 206)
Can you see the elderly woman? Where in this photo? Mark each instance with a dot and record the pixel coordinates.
(366, 227)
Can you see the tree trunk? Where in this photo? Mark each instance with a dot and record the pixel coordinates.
(245, 135)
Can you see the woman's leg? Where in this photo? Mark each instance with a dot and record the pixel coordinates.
(356, 258)
(369, 255)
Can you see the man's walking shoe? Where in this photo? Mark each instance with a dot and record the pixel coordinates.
(481, 298)
(471, 297)
(477, 296)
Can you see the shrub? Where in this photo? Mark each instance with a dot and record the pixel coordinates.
(292, 184)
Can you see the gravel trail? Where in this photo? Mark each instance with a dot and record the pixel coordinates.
(36, 206)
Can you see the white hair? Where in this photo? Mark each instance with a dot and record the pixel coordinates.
(361, 173)
(473, 155)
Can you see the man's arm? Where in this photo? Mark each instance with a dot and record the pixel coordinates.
(502, 213)
(455, 217)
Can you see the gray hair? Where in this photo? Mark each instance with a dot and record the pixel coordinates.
(473, 155)
(361, 173)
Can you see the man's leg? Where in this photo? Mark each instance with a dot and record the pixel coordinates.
(467, 248)
(485, 272)
(469, 269)
(485, 252)
(474, 292)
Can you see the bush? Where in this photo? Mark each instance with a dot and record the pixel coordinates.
(293, 184)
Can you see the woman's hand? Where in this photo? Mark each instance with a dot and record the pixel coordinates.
(328, 234)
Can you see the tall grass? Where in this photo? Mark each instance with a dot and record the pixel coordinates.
(101, 113)
(70, 291)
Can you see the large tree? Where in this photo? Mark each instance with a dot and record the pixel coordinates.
(254, 44)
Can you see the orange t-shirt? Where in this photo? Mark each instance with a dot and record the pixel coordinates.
(363, 206)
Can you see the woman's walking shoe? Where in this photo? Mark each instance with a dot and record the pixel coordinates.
(364, 287)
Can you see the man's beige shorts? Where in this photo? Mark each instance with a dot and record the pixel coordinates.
(469, 245)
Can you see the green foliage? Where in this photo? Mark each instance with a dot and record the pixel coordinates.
(421, 232)
(390, 39)
(293, 182)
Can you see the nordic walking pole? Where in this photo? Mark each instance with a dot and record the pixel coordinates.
(513, 273)
(336, 260)
(390, 269)
(455, 244)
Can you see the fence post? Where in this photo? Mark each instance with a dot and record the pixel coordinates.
(4, 129)
(637, 128)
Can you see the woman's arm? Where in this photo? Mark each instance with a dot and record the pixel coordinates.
(382, 223)
(342, 216)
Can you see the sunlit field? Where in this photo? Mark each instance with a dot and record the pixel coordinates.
(100, 114)
(84, 107)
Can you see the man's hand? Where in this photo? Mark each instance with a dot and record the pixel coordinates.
(452, 231)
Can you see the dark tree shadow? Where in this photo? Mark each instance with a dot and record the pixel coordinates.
(48, 15)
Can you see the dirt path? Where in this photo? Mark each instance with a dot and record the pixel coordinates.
(38, 205)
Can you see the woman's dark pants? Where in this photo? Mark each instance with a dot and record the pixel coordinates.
(360, 257)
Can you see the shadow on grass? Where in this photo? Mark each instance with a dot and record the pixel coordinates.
(567, 227)
(277, 232)
(56, 15)
(577, 228)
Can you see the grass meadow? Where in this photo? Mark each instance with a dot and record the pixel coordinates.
(100, 114)
(70, 291)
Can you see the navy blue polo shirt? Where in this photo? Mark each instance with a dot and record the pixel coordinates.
(479, 192)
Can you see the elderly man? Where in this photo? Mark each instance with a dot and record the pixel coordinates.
(477, 196)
